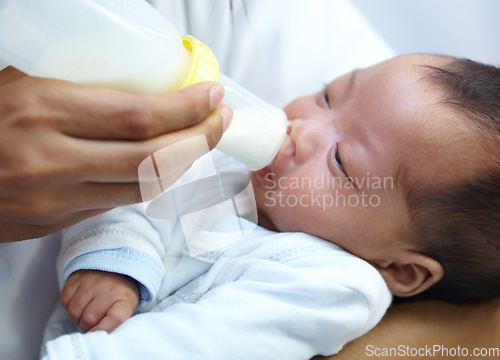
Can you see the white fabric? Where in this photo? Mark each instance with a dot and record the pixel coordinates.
(285, 48)
(307, 295)
(272, 296)
(298, 44)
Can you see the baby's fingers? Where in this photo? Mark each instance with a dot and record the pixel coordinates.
(77, 305)
(115, 316)
(93, 313)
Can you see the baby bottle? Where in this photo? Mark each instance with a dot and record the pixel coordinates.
(129, 46)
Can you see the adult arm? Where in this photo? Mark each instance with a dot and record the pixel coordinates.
(432, 326)
(69, 152)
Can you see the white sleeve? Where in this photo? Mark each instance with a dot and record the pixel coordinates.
(303, 307)
(281, 49)
(122, 241)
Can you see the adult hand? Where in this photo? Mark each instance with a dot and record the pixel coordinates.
(68, 152)
(415, 327)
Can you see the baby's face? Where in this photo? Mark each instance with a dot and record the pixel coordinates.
(350, 147)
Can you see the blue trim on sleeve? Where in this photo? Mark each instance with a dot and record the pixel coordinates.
(146, 270)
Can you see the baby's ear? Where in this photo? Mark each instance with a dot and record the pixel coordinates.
(410, 273)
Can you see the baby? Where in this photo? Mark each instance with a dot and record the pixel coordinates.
(388, 182)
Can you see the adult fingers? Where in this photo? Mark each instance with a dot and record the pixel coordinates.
(97, 198)
(119, 161)
(97, 113)
(10, 232)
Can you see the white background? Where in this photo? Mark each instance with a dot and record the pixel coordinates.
(464, 28)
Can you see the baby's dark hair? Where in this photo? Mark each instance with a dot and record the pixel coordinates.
(459, 225)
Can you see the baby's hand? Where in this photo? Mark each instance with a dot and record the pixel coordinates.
(99, 300)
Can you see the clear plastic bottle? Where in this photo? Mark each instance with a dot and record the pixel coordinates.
(128, 46)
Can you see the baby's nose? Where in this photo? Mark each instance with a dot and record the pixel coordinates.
(310, 136)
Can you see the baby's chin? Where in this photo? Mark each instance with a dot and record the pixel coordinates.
(264, 212)
(266, 223)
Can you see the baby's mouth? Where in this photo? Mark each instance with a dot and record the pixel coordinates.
(265, 175)
(287, 149)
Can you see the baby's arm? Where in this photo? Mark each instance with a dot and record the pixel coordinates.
(99, 300)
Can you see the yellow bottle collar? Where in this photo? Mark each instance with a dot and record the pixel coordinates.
(204, 65)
